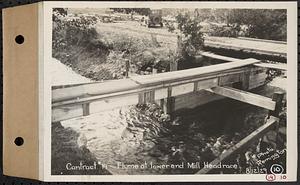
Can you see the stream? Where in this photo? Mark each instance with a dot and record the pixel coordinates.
(143, 140)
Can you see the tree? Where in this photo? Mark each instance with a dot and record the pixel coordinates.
(192, 39)
(141, 11)
(261, 23)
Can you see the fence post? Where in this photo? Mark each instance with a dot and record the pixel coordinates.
(154, 70)
(86, 109)
(173, 65)
(127, 66)
(277, 98)
(142, 98)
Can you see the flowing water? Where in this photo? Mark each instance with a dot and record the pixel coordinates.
(125, 138)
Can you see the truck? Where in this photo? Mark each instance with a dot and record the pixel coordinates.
(155, 18)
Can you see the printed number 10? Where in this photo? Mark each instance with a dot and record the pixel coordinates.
(283, 177)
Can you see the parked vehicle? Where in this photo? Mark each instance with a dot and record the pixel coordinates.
(155, 18)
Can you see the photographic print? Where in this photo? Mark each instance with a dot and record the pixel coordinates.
(158, 90)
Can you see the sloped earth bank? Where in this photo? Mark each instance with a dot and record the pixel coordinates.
(104, 57)
(64, 75)
(135, 135)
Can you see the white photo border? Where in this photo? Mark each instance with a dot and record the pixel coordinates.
(45, 90)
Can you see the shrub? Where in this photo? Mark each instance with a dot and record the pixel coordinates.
(170, 26)
(69, 31)
(192, 39)
(224, 31)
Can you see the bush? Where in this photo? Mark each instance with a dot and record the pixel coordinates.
(170, 26)
(69, 31)
(261, 23)
(224, 31)
(192, 39)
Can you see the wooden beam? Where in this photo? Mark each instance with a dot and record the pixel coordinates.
(116, 93)
(99, 88)
(66, 112)
(148, 80)
(230, 46)
(263, 40)
(280, 66)
(173, 65)
(277, 98)
(271, 122)
(86, 109)
(219, 57)
(139, 83)
(93, 92)
(244, 96)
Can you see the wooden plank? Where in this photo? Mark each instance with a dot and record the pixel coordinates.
(66, 112)
(229, 79)
(160, 93)
(219, 57)
(71, 111)
(244, 49)
(245, 79)
(280, 66)
(86, 109)
(86, 99)
(277, 97)
(93, 89)
(196, 99)
(252, 46)
(182, 89)
(111, 103)
(205, 84)
(170, 102)
(271, 122)
(101, 102)
(147, 80)
(141, 98)
(173, 65)
(244, 96)
(263, 40)
(256, 80)
(204, 77)
(149, 96)
(96, 91)
(96, 98)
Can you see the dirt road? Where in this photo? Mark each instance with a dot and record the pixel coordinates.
(164, 34)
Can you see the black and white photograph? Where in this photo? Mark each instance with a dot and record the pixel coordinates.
(169, 91)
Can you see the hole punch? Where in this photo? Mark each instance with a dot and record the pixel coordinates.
(19, 141)
(19, 39)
